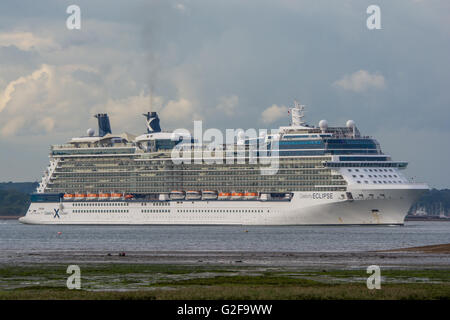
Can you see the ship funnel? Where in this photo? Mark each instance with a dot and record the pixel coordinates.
(103, 124)
(152, 122)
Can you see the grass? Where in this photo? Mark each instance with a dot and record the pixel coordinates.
(125, 281)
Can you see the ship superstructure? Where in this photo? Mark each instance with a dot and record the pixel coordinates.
(324, 175)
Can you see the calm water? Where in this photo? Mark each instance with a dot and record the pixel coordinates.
(18, 237)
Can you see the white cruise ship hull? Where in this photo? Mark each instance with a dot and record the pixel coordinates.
(356, 207)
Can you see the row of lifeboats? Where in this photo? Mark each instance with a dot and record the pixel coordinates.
(95, 196)
(212, 195)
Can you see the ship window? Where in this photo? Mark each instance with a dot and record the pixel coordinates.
(362, 176)
(359, 181)
(349, 170)
(374, 182)
(366, 182)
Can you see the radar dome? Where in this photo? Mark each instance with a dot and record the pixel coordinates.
(323, 124)
(350, 124)
(90, 132)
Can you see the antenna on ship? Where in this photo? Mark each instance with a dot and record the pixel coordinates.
(298, 113)
(151, 98)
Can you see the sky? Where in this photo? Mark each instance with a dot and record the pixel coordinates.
(232, 64)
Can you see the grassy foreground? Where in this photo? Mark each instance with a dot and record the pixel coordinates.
(124, 281)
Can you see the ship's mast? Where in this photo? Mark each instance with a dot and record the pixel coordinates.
(297, 113)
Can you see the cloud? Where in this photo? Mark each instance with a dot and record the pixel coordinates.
(361, 81)
(50, 98)
(26, 41)
(6, 95)
(274, 113)
(227, 105)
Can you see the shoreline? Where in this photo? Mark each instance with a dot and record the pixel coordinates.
(416, 273)
(433, 256)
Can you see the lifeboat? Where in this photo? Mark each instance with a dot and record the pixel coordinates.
(92, 196)
(251, 195)
(209, 195)
(193, 195)
(68, 197)
(237, 196)
(116, 196)
(103, 196)
(177, 195)
(224, 195)
(80, 196)
(129, 196)
(264, 197)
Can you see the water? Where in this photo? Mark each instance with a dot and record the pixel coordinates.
(19, 237)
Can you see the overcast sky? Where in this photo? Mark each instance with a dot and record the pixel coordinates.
(233, 64)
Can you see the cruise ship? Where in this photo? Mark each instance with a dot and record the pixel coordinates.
(324, 175)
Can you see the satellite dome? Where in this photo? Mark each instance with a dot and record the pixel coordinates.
(90, 132)
(350, 124)
(323, 124)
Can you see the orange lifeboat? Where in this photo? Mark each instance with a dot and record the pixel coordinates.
(251, 195)
(224, 195)
(80, 196)
(68, 197)
(129, 196)
(237, 195)
(104, 196)
(92, 196)
(116, 196)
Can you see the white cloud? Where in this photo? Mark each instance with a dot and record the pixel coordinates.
(361, 81)
(26, 41)
(273, 113)
(48, 99)
(227, 105)
(6, 95)
(180, 6)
